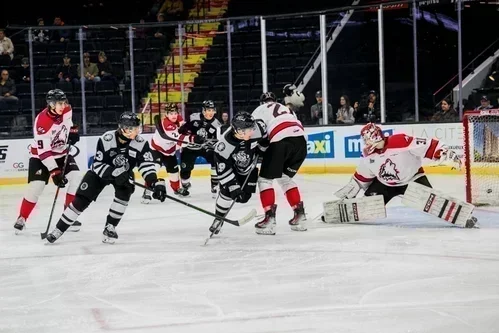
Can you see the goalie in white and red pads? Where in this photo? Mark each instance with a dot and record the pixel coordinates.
(392, 166)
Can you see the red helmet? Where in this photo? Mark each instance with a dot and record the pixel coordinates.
(371, 134)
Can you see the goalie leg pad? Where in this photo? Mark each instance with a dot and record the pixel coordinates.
(354, 210)
(438, 204)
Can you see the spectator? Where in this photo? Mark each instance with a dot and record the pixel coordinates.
(225, 122)
(369, 113)
(41, 35)
(316, 111)
(6, 49)
(161, 32)
(156, 6)
(173, 9)
(90, 69)
(59, 36)
(67, 71)
(484, 104)
(7, 90)
(25, 73)
(141, 32)
(345, 113)
(105, 68)
(447, 112)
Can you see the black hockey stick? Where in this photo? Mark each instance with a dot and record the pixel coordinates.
(237, 223)
(66, 159)
(254, 163)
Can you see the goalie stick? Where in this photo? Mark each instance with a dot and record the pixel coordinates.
(255, 161)
(44, 234)
(239, 222)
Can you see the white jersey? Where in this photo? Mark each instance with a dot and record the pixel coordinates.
(399, 162)
(280, 121)
(169, 147)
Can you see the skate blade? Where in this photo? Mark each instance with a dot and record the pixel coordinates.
(265, 232)
(108, 240)
(74, 229)
(18, 232)
(298, 228)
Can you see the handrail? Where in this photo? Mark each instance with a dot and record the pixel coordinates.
(220, 19)
(464, 68)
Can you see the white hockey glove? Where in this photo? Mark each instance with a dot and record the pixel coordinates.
(450, 158)
(348, 191)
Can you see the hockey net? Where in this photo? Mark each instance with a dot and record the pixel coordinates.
(481, 152)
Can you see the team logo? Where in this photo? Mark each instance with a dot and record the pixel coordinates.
(388, 171)
(202, 132)
(83, 186)
(220, 146)
(221, 167)
(120, 161)
(60, 138)
(108, 137)
(242, 159)
(138, 138)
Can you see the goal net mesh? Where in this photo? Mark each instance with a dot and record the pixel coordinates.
(481, 149)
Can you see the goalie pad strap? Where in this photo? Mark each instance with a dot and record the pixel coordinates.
(353, 210)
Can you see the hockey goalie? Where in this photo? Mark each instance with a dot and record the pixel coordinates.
(392, 166)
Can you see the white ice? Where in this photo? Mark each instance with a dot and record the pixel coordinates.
(407, 273)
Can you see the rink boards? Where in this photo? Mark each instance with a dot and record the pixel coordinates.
(331, 149)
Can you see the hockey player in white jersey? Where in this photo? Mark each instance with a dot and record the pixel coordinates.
(164, 150)
(390, 164)
(281, 161)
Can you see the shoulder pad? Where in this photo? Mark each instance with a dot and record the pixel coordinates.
(224, 148)
(216, 123)
(109, 140)
(195, 116)
(139, 138)
(138, 143)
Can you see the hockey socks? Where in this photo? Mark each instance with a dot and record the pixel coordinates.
(26, 208)
(69, 199)
(175, 185)
(116, 211)
(267, 198)
(293, 196)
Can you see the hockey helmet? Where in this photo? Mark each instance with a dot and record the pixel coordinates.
(371, 134)
(128, 120)
(267, 97)
(54, 96)
(242, 121)
(171, 107)
(208, 104)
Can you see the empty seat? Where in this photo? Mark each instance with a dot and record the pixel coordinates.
(23, 90)
(108, 117)
(114, 103)
(55, 60)
(67, 87)
(94, 103)
(139, 44)
(39, 61)
(89, 87)
(218, 96)
(45, 74)
(220, 81)
(104, 87)
(242, 80)
(56, 48)
(42, 88)
(39, 48)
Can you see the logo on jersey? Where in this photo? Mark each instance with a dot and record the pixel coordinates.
(120, 161)
(108, 137)
(388, 171)
(220, 146)
(242, 159)
(354, 144)
(221, 167)
(60, 138)
(83, 186)
(202, 132)
(320, 145)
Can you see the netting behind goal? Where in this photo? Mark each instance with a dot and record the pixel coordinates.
(481, 150)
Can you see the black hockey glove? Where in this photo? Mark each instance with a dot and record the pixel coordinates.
(243, 197)
(122, 177)
(159, 189)
(58, 178)
(236, 193)
(199, 139)
(74, 135)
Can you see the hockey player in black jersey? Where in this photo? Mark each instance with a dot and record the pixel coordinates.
(204, 127)
(234, 156)
(118, 153)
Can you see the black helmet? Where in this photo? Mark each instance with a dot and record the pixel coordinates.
(171, 107)
(242, 121)
(267, 96)
(54, 96)
(209, 104)
(128, 120)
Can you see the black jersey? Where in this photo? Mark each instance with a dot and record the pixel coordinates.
(200, 126)
(112, 154)
(234, 157)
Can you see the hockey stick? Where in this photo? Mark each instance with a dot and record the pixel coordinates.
(43, 235)
(255, 161)
(237, 223)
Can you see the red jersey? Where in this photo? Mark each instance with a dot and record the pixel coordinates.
(169, 147)
(399, 162)
(51, 136)
(281, 122)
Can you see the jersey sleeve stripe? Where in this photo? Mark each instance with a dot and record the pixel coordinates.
(161, 150)
(362, 178)
(431, 150)
(226, 179)
(283, 126)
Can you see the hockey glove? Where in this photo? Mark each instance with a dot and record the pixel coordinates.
(159, 189)
(209, 144)
(243, 197)
(58, 178)
(199, 139)
(122, 177)
(74, 135)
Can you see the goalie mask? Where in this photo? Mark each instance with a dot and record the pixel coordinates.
(373, 137)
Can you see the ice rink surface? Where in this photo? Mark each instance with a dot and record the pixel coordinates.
(409, 273)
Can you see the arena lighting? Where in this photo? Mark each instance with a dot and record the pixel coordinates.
(492, 77)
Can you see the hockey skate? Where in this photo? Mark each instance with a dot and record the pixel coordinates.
(54, 235)
(296, 223)
(472, 222)
(216, 226)
(268, 224)
(187, 185)
(214, 191)
(182, 191)
(146, 197)
(109, 234)
(20, 225)
(75, 227)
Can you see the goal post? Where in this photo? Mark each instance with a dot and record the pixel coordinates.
(481, 156)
